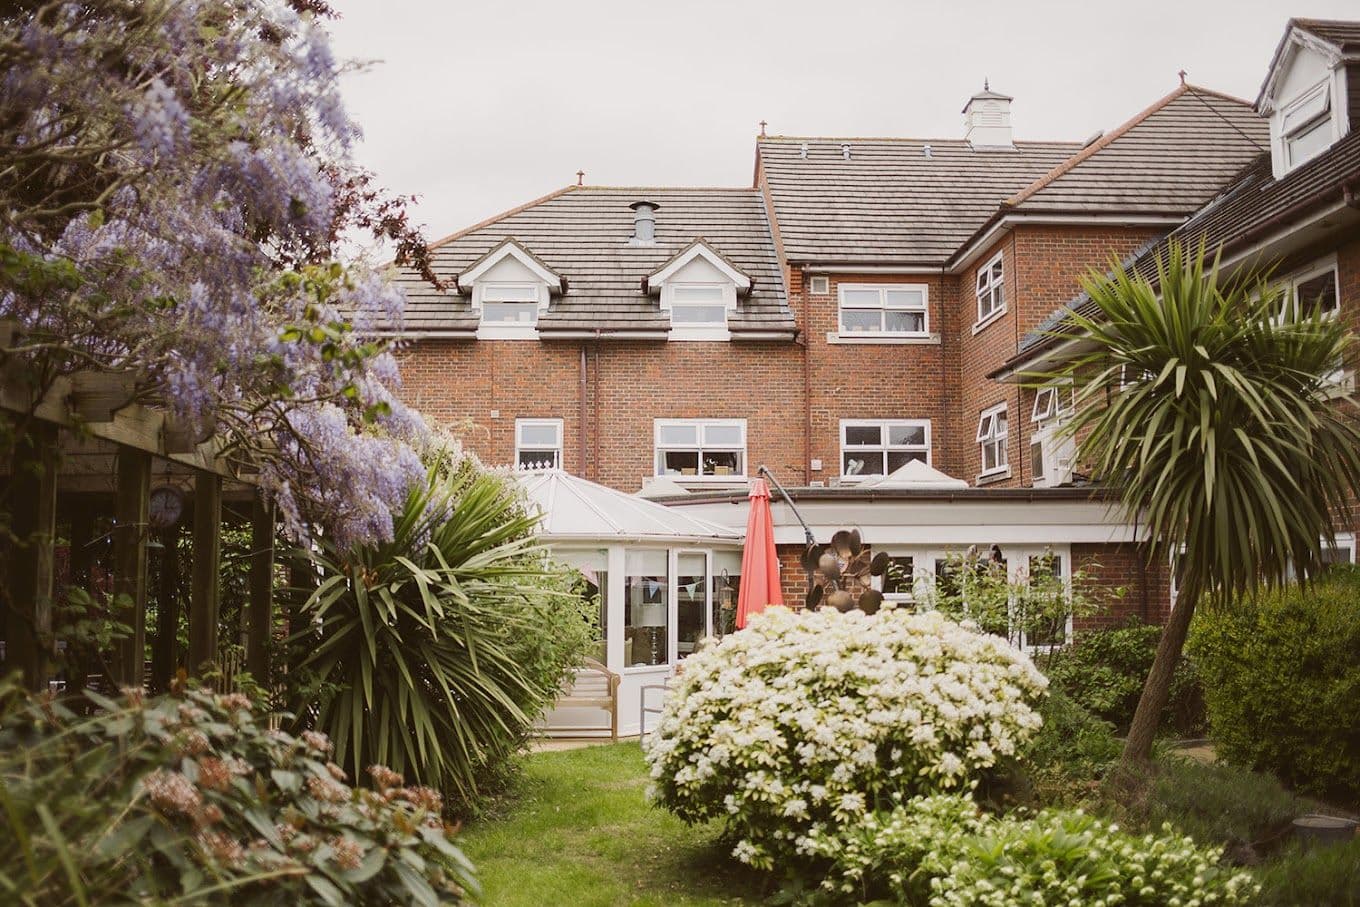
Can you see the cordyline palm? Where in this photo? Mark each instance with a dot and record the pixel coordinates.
(1215, 420)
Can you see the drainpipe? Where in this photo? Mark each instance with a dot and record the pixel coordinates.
(762, 470)
(807, 380)
(581, 415)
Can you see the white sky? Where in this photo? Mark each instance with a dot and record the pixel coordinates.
(477, 107)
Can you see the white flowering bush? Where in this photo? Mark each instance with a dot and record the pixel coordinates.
(940, 850)
(804, 723)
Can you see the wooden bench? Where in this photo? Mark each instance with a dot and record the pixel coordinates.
(593, 687)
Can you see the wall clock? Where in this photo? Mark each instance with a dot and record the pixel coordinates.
(166, 507)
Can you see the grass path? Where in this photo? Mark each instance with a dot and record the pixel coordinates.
(580, 833)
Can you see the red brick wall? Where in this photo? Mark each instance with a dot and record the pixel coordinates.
(1112, 567)
(628, 385)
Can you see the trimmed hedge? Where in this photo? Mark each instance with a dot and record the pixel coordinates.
(1103, 671)
(1282, 678)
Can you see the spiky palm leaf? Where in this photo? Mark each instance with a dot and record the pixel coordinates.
(435, 653)
(1208, 405)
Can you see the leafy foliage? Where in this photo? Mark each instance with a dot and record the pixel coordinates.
(803, 723)
(435, 652)
(1104, 671)
(1310, 876)
(1033, 607)
(1281, 679)
(1071, 753)
(190, 798)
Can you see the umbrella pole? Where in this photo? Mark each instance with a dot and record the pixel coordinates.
(807, 533)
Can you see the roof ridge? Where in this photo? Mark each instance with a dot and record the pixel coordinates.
(1098, 145)
(458, 234)
(661, 188)
(896, 138)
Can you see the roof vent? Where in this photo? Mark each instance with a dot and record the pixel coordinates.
(845, 150)
(1094, 137)
(987, 120)
(644, 223)
(927, 151)
(802, 151)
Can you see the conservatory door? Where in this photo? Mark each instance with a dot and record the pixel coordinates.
(692, 591)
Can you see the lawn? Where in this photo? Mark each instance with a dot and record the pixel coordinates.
(578, 830)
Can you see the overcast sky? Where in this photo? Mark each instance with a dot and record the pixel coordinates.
(477, 107)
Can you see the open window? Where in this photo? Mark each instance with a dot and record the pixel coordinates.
(991, 438)
(991, 290)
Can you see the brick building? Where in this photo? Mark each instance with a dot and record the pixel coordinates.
(864, 305)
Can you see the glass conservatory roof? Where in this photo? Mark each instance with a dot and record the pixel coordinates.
(573, 508)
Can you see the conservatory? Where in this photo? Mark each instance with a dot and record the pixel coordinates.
(664, 580)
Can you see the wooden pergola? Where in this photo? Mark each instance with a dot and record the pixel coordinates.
(79, 456)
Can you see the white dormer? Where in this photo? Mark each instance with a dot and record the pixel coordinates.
(987, 120)
(510, 288)
(698, 288)
(1305, 98)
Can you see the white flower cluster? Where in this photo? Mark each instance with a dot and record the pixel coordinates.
(804, 723)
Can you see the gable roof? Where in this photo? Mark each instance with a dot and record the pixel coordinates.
(700, 248)
(508, 248)
(582, 233)
(1252, 205)
(890, 203)
(1169, 159)
(1336, 38)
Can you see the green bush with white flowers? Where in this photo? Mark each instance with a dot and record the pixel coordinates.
(803, 723)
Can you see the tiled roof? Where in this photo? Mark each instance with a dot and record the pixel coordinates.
(890, 202)
(1253, 204)
(582, 233)
(1170, 159)
(1343, 33)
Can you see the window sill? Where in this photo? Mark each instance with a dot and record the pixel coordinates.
(996, 475)
(692, 334)
(883, 339)
(507, 332)
(989, 321)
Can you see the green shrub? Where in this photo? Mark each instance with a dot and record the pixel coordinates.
(1312, 877)
(1215, 804)
(942, 852)
(436, 652)
(1104, 672)
(191, 798)
(1071, 753)
(1282, 679)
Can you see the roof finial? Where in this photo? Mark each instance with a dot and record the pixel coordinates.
(1182, 75)
(763, 124)
(986, 84)
(580, 177)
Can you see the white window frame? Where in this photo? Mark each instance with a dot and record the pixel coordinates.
(1314, 106)
(990, 287)
(987, 435)
(699, 447)
(521, 447)
(883, 448)
(507, 330)
(727, 298)
(1311, 272)
(882, 307)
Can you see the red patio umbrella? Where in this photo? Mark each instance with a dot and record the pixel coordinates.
(759, 561)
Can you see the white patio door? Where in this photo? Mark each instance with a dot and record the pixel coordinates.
(692, 601)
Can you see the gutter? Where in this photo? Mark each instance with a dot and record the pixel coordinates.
(958, 495)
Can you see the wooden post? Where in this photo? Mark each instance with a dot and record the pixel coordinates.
(203, 597)
(129, 560)
(163, 649)
(259, 615)
(33, 520)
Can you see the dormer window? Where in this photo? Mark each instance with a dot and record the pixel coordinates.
(698, 289)
(510, 289)
(1306, 125)
(1307, 95)
(510, 304)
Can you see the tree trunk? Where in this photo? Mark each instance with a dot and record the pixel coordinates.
(1157, 690)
